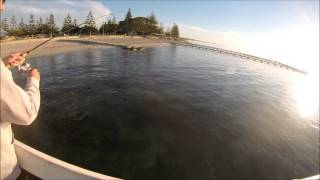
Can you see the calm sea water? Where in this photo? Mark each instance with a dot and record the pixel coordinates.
(172, 113)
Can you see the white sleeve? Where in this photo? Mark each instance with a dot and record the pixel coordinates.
(18, 106)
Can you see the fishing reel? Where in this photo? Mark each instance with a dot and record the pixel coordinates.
(24, 67)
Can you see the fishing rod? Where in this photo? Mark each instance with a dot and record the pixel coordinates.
(26, 67)
(39, 45)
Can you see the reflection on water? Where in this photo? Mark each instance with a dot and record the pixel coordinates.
(174, 113)
(306, 92)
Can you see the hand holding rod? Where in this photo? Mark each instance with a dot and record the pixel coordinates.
(25, 66)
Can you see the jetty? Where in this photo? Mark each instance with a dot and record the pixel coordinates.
(240, 55)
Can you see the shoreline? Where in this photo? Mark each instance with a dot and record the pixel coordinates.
(74, 43)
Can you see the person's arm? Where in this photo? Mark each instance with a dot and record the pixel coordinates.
(17, 105)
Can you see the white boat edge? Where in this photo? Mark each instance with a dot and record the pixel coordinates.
(48, 167)
(316, 177)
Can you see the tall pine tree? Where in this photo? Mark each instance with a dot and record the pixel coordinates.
(5, 25)
(90, 24)
(127, 24)
(175, 31)
(114, 26)
(40, 21)
(21, 24)
(13, 24)
(75, 28)
(40, 26)
(153, 18)
(106, 27)
(21, 29)
(152, 26)
(51, 25)
(74, 22)
(67, 24)
(32, 25)
(128, 15)
(51, 21)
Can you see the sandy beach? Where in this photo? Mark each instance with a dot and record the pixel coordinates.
(66, 44)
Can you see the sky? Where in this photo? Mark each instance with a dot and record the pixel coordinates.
(287, 31)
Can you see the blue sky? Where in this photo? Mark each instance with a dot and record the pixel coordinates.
(245, 16)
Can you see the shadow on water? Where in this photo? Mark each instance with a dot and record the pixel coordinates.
(170, 113)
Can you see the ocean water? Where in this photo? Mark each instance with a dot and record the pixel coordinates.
(174, 113)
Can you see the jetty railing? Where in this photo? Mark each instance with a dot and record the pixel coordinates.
(239, 54)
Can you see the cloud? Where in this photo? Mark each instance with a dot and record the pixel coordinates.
(69, 2)
(60, 8)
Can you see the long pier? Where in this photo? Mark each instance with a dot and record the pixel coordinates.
(241, 55)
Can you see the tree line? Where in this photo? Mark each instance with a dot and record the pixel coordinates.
(128, 26)
(31, 28)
